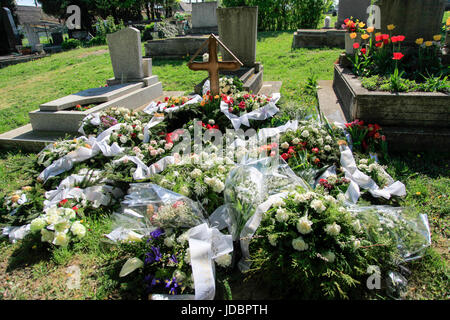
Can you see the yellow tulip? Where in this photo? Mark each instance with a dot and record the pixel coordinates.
(377, 34)
(353, 35)
(391, 27)
(362, 24)
(370, 29)
(429, 43)
(365, 36)
(437, 37)
(419, 41)
(448, 21)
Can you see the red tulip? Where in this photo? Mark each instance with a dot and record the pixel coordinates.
(400, 38)
(363, 51)
(356, 45)
(398, 56)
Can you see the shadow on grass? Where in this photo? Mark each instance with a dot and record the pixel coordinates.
(432, 164)
(30, 252)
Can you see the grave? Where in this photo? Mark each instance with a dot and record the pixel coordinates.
(238, 30)
(428, 16)
(9, 36)
(33, 38)
(204, 18)
(329, 37)
(59, 117)
(174, 48)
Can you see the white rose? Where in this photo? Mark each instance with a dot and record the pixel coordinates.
(123, 139)
(296, 141)
(320, 141)
(299, 244)
(168, 146)
(37, 224)
(333, 229)
(62, 225)
(224, 260)
(211, 122)
(141, 136)
(196, 173)
(327, 148)
(341, 197)
(273, 240)
(305, 134)
(304, 225)
(51, 218)
(78, 229)
(285, 145)
(70, 213)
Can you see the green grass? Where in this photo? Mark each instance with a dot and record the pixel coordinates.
(29, 271)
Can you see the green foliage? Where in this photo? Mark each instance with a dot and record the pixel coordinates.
(285, 14)
(103, 28)
(71, 44)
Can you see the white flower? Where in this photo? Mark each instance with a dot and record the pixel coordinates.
(211, 122)
(141, 136)
(304, 225)
(330, 199)
(37, 224)
(356, 243)
(356, 225)
(327, 148)
(62, 225)
(285, 145)
(78, 229)
(51, 218)
(273, 240)
(123, 139)
(278, 203)
(69, 213)
(333, 229)
(330, 256)
(305, 134)
(341, 197)
(179, 275)
(318, 206)
(61, 239)
(47, 236)
(218, 186)
(168, 146)
(320, 141)
(299, 244)
(183, 238)
(296, 141)
(187, 256)
(224, 260)
(169, 241)
(282, 215)
(363, 161)
(184, 190)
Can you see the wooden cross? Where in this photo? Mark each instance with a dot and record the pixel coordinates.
(213, 66)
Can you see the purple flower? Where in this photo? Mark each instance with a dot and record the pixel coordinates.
(153, 256)
(151, 282)
(173, 259)
(157, 233)
(173, 285)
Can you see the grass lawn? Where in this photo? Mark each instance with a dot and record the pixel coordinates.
(29, 271)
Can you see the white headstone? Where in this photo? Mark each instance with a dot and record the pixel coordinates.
(327, 23)
(126, 54)
(32, 36)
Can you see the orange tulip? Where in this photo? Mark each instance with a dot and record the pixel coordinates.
(365, 36)
(370, 29)
(353, 35)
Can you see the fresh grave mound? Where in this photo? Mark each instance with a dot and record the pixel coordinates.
(283, 204)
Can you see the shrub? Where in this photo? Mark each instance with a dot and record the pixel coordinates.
(71, 44)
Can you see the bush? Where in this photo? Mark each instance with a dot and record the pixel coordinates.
(103, 28)
(147, 34)
(71, 44)
(167, 30)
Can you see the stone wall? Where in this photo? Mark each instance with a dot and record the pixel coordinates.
(352, 8)
(204, 15)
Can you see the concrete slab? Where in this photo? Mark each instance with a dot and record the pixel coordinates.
(90, 96)
(329, 103)
(270, 87)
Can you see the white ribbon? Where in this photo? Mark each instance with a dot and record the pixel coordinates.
(142, 171)
(16, 233)
(263, 113)
(359, 179)
(162, 107)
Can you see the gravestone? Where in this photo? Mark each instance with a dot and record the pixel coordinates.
(126, 54)
(32, 36)
(352, 8)
(238, 30)
(327, 23)
(204, 15)
(9, 36)
(413, 18)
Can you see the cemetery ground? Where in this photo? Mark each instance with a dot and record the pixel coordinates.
(29, 271)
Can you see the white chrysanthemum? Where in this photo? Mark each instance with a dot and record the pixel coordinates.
(305, 134)
(37, 224)
(332, 178)
(328, 139)
(184, 190)
(318, 205)
(78, 229)
(299, 244)
(330, 256)
(333, 229)
(363, 161)
(327, 148)
(61, 239)
(315, 130)
(199, 189)
(356, 225)
(51, 218)
(224, 260)
(273, 240)
(330, 199)
(278, 203)
(285, 145)
(320, 141)
(47, 236)
(296, 141)
(304, 225)
(282, 215)
(218, 186)
(196, 173)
